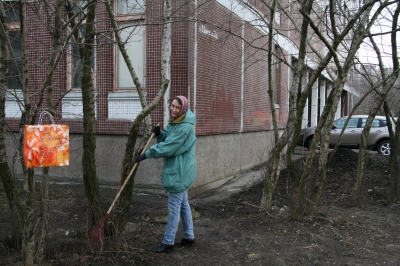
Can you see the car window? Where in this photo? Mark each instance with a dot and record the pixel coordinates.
(375, 123)
(352, 123)
(363, 121)
(340, 124)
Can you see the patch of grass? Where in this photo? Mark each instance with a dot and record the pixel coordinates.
(65, 193)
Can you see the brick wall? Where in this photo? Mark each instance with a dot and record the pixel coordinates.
(257, 111)
(218, 91)
(225, 79)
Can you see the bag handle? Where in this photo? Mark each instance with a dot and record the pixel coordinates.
(41, 116)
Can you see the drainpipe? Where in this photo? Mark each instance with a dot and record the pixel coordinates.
(241, 102)
(242, 82)
(195, 61)
(168, 74)
(189, 62)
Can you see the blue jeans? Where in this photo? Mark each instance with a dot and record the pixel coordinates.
(178, 207)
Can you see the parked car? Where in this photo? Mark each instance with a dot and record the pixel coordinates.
(378, 138)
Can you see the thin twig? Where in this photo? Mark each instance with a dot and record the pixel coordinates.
(258, 208)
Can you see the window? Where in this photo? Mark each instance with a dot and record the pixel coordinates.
(76, 62)
(276, 82)
(14, 94)
(12, 12)
(13, 23)
(130, 16)
(353, 122)
(278, 16)
(76, 67)
(123, 101)
(130, 6)
(133, 35)
(375, 122)
(13, 81)
(72, 106)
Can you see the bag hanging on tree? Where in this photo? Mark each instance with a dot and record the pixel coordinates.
(46, 145)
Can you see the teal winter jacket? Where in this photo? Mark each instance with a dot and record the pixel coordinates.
(177, 145)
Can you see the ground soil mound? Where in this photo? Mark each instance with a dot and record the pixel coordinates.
(235, 232)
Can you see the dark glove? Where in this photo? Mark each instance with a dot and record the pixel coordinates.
(156, 130)
(141, 157)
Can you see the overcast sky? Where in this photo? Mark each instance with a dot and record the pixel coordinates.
(383, 25)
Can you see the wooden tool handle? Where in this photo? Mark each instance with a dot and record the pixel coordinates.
(130, 174)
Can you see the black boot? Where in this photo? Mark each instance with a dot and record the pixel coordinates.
(185, 242)
(163, 248)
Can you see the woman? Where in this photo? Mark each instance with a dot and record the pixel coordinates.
(176, 144)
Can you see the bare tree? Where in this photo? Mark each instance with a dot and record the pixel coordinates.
(386, 87)
(341, 30)
(89, 120)
(130, 154)
(7, 179)
(29, 216)
(395, 134)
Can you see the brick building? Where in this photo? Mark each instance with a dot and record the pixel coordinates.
(223, 76)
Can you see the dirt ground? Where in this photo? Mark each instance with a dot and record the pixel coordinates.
(234, 232)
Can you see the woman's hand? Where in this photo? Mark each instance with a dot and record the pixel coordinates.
(141, 157)
(156, 130)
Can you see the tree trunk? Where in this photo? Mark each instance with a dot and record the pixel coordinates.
(326, 120)
(394, 161)
(29, 214)
(124, 203)
(7, 178)
(130, 154)
(387, 85)
(41, 229)
(395, 149)
(95, 212)
(271, 178)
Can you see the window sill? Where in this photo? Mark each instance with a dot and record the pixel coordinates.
(12, 108)
(72, 106)
(123, 105)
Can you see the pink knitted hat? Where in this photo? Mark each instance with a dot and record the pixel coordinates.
(184, 106)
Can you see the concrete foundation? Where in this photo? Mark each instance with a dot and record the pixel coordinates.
(220, 158)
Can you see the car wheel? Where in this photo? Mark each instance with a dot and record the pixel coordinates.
(384, 147)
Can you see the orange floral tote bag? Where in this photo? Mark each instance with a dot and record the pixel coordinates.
(46, 145)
